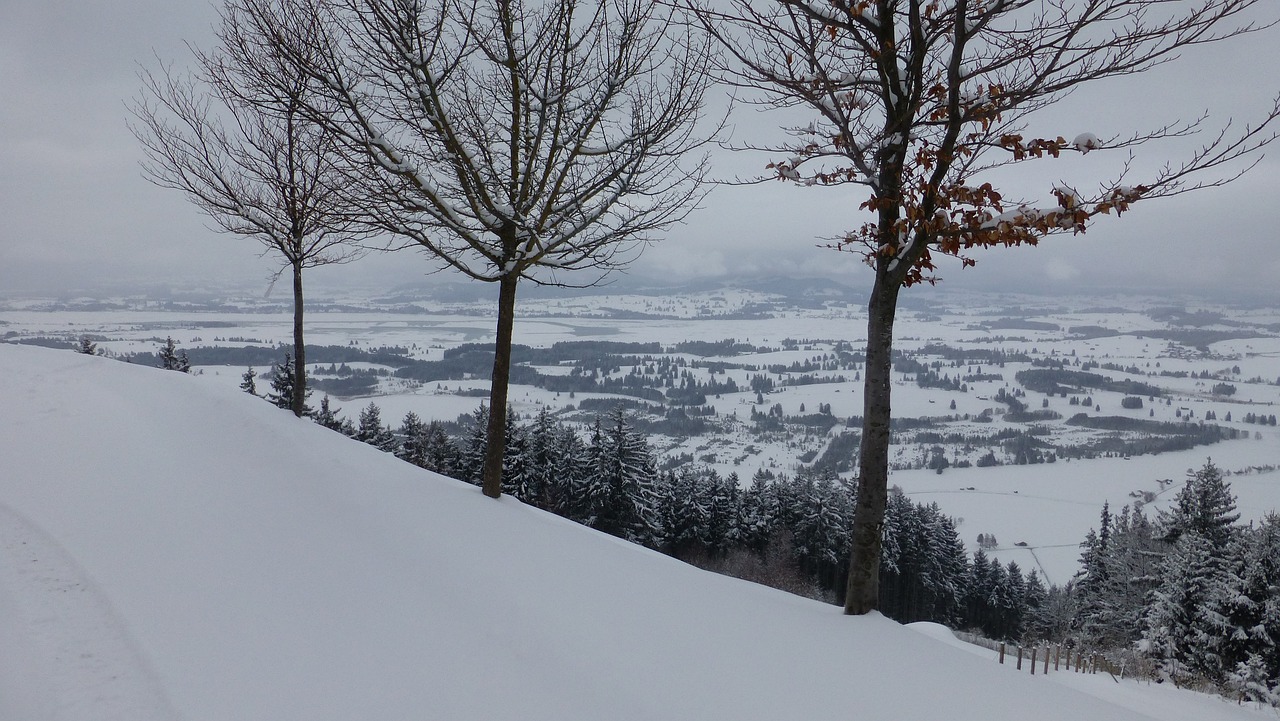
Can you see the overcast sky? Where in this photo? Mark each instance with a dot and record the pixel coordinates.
(75, 211)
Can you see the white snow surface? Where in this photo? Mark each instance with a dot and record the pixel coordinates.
(174, 549)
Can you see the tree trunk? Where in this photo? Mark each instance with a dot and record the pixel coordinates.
(496, 443)
(299, 349)
(863, 592)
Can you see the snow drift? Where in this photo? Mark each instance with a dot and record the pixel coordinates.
(175, 549)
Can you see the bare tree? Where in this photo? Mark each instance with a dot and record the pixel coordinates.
(917, 100)
(511, 140)
(233, 137)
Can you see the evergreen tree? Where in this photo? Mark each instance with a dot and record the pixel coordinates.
(758, 512)
(1037, 622)
(945, 564)
(470, 462)
(282, 380)
(1012, 595)
(1177, 629)
(685, 515)
(441, 453)
(515, 457)
(1245, 612)
(1205, 506)
(822, 532)
(1135, 558)
(1250, 682)
(540, 445)
(979, 590)
(371, 430)
(247, 383)
(591, 493)
(992, 622)
(328, 418)
(900, 562)
(171, 359)
(1093, 581)
(723, 507)
(87, 346)
(1266, 553)
(624, 499)
(412, 436)
(569, 479)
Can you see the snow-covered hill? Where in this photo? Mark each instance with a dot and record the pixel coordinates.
(173, 549)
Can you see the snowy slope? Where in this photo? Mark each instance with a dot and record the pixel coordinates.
(173, 549)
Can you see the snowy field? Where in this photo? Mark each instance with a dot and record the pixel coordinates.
(1039, 513)
(173, 549)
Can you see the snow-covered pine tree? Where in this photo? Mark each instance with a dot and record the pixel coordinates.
(1243, 612)
(722, 506)
(1266, 550)
(979, 590)
(569, 480)
(758, 512)
(539, 463)
(1037, 624)
(1177, 630)
(515, 458)
(1012, 595)
(946, 564)
(1135, 557)
(328, 417)
(1110, 593)
(684, 512)
(626, 498)
(1206, 506)
(472, 450)
(247, 382)
(1250, 682)
(440, 454)
(412, 435)
(1093, 581)
(998, 580)
(900, 559)
(822, 532)
(171, 359)
(372, 431)
(87, 346)
(282, 385)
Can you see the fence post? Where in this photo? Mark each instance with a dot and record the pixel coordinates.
(1002, 652)
(1034, 651)
(1057, 651)
(1019, 658)
(1046, 660)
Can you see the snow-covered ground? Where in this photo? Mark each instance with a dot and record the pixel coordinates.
(174, 549)
(1047, 507)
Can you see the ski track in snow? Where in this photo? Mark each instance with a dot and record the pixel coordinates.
(64, 653)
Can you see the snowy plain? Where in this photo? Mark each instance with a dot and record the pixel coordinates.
(174, 549)
(1038, 513)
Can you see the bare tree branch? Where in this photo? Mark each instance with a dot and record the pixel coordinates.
(917, 99)
(234, 138)
(509, 139)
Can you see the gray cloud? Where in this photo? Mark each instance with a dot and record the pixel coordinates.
(76, 210)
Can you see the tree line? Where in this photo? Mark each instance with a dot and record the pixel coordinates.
(1192, 590)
